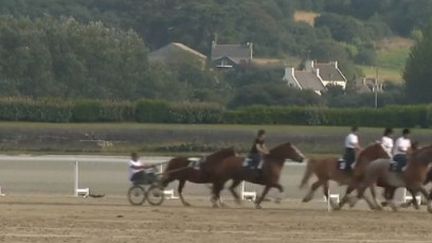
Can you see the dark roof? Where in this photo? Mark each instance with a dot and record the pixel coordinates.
(329, 72)
(309, 80)
(166, 53)
(236, 52)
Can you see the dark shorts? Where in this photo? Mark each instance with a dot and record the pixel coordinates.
(255, 159)
(143, 178)
(349, 157)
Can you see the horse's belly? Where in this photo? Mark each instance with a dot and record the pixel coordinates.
(395, 179)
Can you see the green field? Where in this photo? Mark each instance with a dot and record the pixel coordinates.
(166, 139)
(391, 60)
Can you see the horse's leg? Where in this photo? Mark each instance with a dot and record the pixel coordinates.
(216, 190)
(346, 198)
(281, 190)
(261, 198)
(428, 196)
(232, 188)
(180, 192)
(377, 205)
(326, 190)
(312, 190)
(389, 196)
(413, 201)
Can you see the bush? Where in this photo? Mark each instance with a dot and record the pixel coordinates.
(196, 113)
(152, 111)
(24, 109)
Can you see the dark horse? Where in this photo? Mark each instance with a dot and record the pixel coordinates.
(179, 169)
(327, 170)
(412, 178)
(233, 168)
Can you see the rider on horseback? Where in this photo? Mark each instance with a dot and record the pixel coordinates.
(140, 173)
(387, 141)
(351, 146)
(258, 150)
(401, 148)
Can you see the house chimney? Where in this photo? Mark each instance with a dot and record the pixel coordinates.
(250, 45)
(336, 64)
(317, 72)
(309, 65)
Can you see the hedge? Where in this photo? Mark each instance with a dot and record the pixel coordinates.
(155, 111)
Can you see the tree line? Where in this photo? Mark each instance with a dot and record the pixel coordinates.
(98, 49)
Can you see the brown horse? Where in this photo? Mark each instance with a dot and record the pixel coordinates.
(233, 168)
(179, 169)
(412, 178)
(327, 170)
(388, 191)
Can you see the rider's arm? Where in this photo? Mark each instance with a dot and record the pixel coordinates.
(262, 148)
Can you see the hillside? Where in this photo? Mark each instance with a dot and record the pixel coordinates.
(90, 58)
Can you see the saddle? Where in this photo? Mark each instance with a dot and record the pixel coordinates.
(253, 164)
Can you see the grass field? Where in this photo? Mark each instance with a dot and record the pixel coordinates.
(391, 59)
(169, 139)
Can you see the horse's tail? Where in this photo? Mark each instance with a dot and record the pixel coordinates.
(307, 174)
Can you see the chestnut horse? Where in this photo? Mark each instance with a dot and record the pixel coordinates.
(268, 176)
(413, 177)
(179, 169)
(327, 170)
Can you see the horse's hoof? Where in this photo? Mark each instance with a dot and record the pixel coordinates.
(187, 204)
(278, 200)
(257, 206)
(384, 204)
(378, 208)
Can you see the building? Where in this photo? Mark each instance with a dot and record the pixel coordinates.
(329, 73)
(227, 56)
(177, 53)
(304, 80)
(315, 76)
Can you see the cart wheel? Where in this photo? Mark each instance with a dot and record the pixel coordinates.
(137, 195)
(155, 195)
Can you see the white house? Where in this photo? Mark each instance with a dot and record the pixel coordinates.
(304, 80)
(329, 73)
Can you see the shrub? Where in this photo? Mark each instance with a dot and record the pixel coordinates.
(152, 111)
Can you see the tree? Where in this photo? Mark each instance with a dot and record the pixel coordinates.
(418, 72)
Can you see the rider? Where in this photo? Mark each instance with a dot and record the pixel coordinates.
(401, 148)
(387, 141)
(138, 172)
(351, 146)
(259, 149)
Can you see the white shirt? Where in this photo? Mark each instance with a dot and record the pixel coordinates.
(387, 143)
(401, 146)
(351, 141)
(132, 170)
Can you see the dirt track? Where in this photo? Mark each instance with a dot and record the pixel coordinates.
(66, 219)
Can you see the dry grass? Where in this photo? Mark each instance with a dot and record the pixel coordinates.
(306, 16)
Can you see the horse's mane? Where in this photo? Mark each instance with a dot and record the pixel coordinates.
(276, 150)
(371, 146)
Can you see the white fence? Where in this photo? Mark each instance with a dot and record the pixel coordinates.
(108, 175)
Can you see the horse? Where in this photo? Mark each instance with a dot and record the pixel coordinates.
(327, 170)
(179, 169)
(413, 177)
(268, 176)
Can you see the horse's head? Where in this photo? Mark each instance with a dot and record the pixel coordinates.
(287, 151)
(220, 155)
(421, 156)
